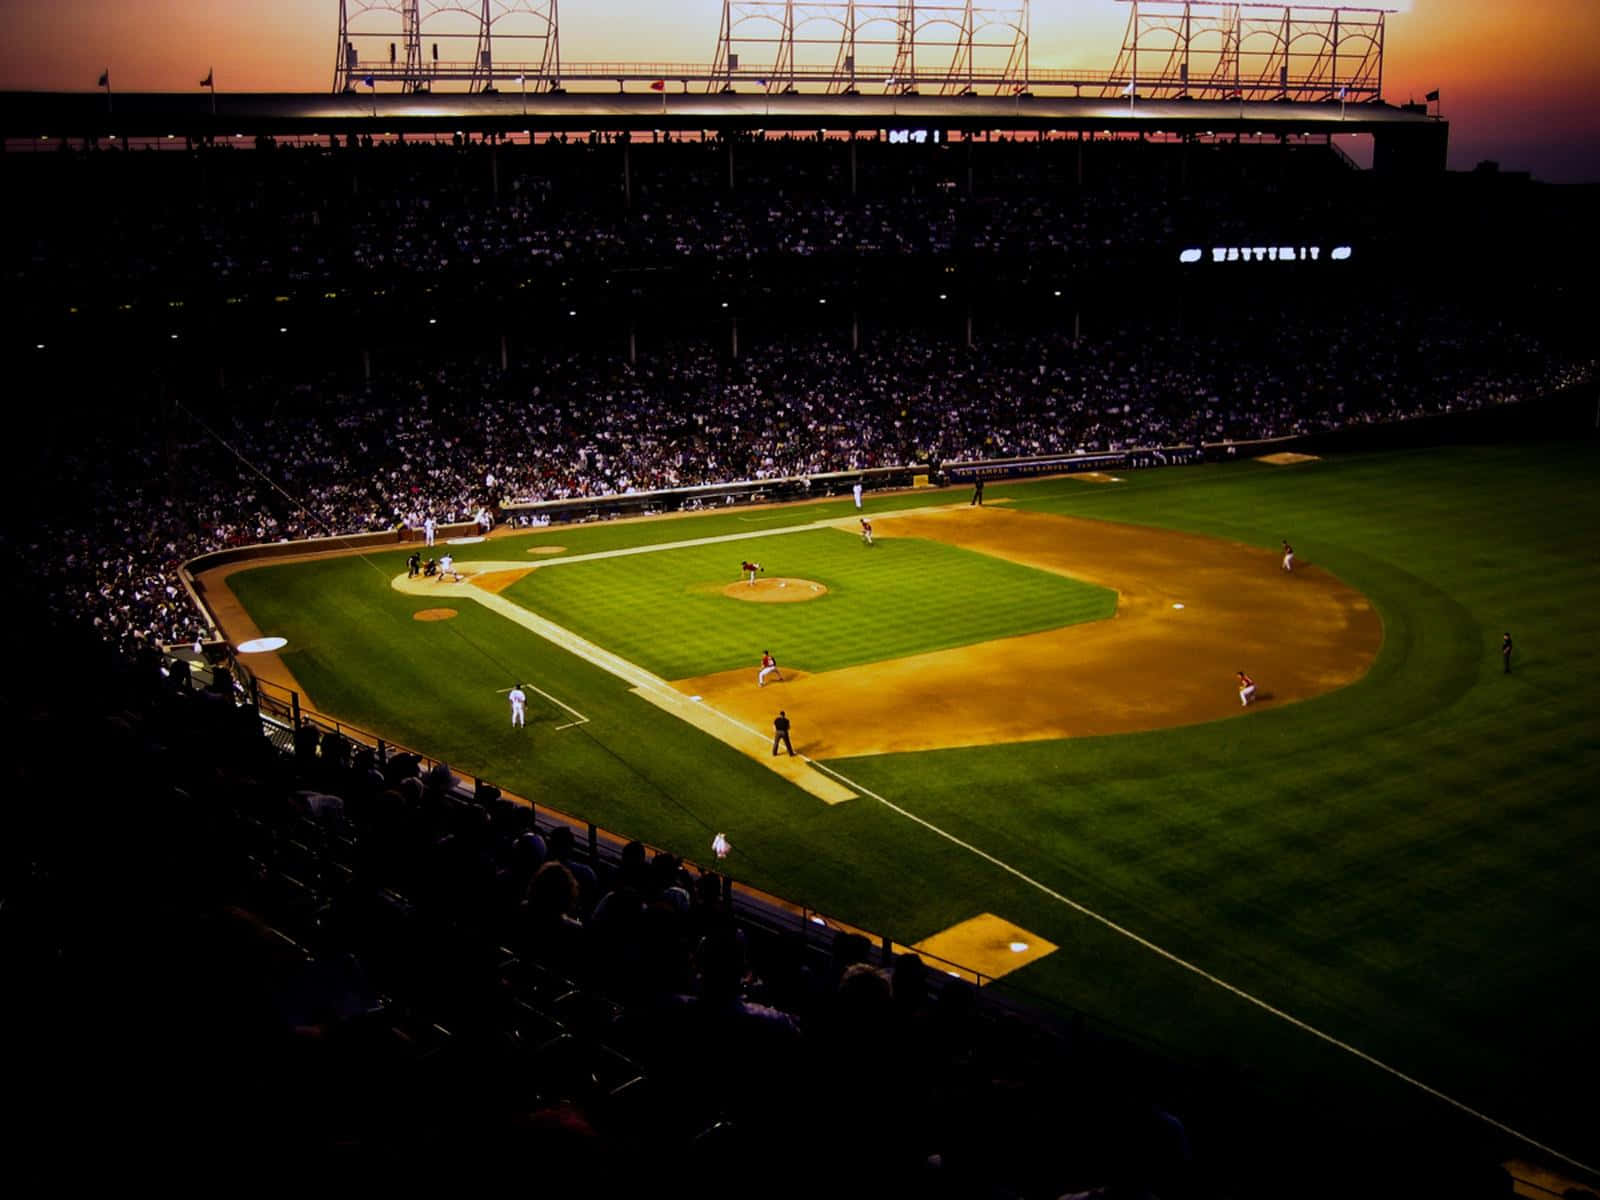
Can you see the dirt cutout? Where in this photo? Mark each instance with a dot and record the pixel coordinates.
(775, 591)
(498, 581)
(434, 614)
(1152, 666)
(547, 549)
(1287, 459)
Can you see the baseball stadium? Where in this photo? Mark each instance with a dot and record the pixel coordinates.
(1028, 639)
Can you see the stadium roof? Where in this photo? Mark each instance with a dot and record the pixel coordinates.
(156, 114)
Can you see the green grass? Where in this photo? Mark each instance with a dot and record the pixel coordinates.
(1407, 864)
(897, 597)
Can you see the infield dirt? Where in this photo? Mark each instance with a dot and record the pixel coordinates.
(1151, 666)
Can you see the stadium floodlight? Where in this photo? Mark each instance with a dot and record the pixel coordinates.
(1340, 253)
(433, 320)
(1189, 256)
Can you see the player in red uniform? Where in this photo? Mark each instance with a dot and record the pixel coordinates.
(769, 666)
(866, 531)
(750, 569)
(1247, 688)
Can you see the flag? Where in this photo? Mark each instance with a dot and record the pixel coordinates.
(1342, 92)
(206, 82)
(370, 81)
(761, 83)
(1433, 95)
(1128, 91)
(1019, 89)
(105, 78)
(659, 85)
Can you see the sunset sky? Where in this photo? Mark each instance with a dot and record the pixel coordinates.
(1518, 88)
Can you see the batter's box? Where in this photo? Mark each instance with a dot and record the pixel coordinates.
(982, 948)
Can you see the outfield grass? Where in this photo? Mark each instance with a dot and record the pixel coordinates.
(900, 596)
(1407, 864)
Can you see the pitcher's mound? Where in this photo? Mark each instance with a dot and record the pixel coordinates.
(547, 549)
(775, 591)
(1287, 459)
(433, 614)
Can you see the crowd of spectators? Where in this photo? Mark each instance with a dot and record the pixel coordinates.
(228, 223)
(291, 449)
(276, 460)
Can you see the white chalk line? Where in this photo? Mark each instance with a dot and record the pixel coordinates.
(582, 720)
(1083, 910)
(844, 522)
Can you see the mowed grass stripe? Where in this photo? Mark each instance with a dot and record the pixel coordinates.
(898, 597)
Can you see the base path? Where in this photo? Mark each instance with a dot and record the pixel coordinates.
(1152, 666)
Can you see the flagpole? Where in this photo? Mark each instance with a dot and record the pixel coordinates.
(211, 84)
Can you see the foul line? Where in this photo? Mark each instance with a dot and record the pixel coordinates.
(582, 720)
(1202, 972)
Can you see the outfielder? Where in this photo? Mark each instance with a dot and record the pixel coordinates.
(1247, 688)
(769, 666)
(519, 705)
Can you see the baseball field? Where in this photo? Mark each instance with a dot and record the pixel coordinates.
(1018, 726)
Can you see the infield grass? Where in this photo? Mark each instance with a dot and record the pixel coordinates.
(1407, 864)
(899, 596)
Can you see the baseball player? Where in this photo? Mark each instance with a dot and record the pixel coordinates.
(447, 566)
(427, 529)
(866, 532)
(769, 666)
(856, 492)
(750, 569)
(720, 846)
(1288, 557)
(1505, 652)
(519, 705)
(414, 565)
(1247, 688)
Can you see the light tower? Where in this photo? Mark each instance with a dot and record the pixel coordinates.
(397, 42)
(1211, 50)
(943, 46)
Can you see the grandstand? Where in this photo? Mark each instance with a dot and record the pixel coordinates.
(321, 330)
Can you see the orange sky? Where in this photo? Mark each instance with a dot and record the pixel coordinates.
(1518, 80)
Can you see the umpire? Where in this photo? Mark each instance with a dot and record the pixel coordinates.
(780, 727)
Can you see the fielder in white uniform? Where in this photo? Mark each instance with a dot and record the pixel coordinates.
(519, 705)
(427, 529)
(856, 492)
